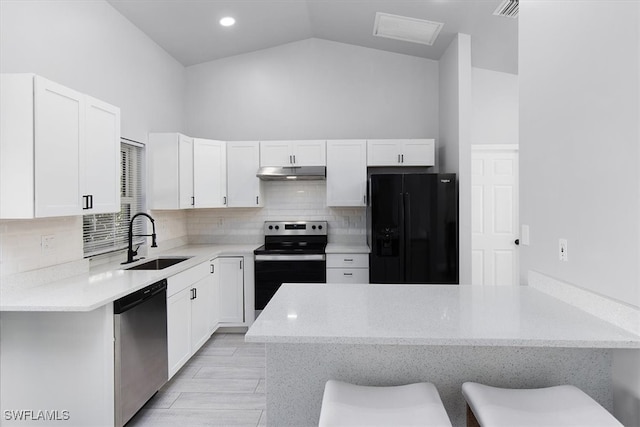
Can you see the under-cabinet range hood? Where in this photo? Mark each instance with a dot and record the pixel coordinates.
(301, 173)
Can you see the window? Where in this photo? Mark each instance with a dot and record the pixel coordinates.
(104, 233)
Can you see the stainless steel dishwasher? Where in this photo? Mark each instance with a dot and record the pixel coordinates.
(141, 367)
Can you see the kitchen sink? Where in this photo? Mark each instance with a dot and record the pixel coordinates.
(158, 263)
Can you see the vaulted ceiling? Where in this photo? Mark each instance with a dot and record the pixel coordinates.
(189, 30)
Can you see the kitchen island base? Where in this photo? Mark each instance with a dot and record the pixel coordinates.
(296, 373)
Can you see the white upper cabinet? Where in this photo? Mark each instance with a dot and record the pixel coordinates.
(346, 172)
(209, 173)
(170, 171)
(401, 152)
(244, 189)
(185, 172)
(102, 157)
(293, 153)
(58, 148)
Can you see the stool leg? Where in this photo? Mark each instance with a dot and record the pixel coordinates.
(471, 418)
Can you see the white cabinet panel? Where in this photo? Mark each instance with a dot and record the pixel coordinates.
(101, 166)
(309, 153)
(276, 153)
(347, 261)
(200, 294)
(348, 268)
(209, 173)
(418, 152)
(179, 330)
(230, 275)
(59, 131)
(401, 152)
(244, 189)
(347, 275)
(55, 145)
(346, 172)
(383, 152)
(185, 172)
(293, 153)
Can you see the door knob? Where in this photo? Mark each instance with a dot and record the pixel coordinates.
(517, 242)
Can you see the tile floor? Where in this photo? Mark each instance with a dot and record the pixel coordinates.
(222, 385)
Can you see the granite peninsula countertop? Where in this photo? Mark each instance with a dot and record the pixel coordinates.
(108, 282)
(446, 315)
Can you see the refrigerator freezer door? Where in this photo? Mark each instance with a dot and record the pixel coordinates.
(386, 262)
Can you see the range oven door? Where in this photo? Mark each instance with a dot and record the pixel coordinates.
(273, 270)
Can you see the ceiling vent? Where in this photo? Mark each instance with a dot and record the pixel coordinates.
(406, 29)
(508, 8)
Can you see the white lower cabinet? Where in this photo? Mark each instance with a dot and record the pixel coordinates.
(348, 268)
(178, 330)
(229, 277)
(189, 298)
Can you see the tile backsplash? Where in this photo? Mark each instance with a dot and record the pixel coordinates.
(300, 200)
(21, 248)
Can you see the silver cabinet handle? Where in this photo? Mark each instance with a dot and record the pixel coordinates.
(294, 159)
(398, 158)
(257, 198)
(212, 268)
(348, 260)
(348, 274)
(224, 200)
(402, 157)
(290, 159)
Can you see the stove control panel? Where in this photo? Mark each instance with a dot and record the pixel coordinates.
(295, 228)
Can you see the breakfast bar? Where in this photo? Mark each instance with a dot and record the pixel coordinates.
(385, 335)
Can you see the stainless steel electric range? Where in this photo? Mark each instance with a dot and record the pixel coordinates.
(293, 252)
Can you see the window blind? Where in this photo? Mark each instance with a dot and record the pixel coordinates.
(104, 233)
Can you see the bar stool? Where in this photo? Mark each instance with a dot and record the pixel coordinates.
(563, 405)
(418, 404)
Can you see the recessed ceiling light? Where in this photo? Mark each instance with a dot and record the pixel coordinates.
(227, 21)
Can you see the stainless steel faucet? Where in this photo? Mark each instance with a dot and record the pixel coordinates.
(130, 252)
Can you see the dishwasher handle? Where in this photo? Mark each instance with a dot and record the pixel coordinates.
(138, 297)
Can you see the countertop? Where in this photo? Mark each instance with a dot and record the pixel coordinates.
(347, 248)
(430, 315)
(107, 282)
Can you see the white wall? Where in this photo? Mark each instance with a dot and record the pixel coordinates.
(580, 156)
(454, 149)
(495, 107)
(89, 47)
(313, 89)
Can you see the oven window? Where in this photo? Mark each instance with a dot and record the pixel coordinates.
(271, 274)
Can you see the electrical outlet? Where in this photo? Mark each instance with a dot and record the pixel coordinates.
(47, 243)
(562, 250)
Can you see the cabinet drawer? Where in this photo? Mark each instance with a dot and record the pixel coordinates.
(186, 278)
(347, 275)
(347, 260)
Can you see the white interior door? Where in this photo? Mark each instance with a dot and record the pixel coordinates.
(494, 214)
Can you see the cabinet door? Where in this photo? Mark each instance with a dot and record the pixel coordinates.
(309, 153)
(101, 166)
(244, 189)
(418, 152)
(383, 152)
(276, 153)
(185, 172)
(346, 172)
(59, 139)
(200, 308)
(231, 278)
(214, 296)
(209, 173)
(179, 329)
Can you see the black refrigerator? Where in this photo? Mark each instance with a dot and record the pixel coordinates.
(412, 228)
